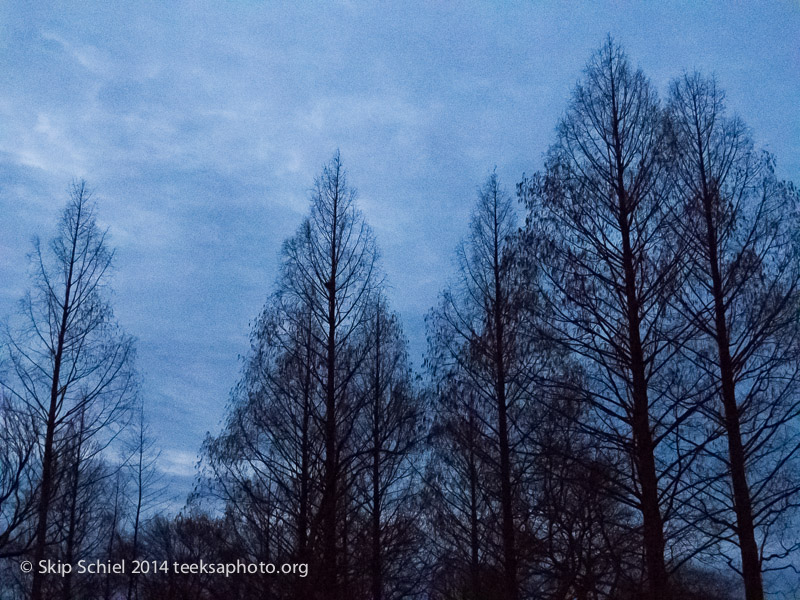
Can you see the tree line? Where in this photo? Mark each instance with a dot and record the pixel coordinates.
(608, 406)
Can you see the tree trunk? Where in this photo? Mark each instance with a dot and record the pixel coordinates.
(506, 498)
(132, 583)
(114, 518)
(302, 521)
(69, 550)
(377, 570)
(329, 499)
(643, 440)
(751, 563)
(48, 457)
(474, 563)
(642, 436)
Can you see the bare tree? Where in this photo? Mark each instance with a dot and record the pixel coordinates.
(485, 327)
(147, 486)
(333, 260)
(291, 441)
(115, 514)
(68, 355)
(743, 296)
(600, 221)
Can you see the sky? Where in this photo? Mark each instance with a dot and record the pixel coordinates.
(201, 126)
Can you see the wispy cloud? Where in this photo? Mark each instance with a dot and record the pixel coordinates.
(179, 463)
(201, 127)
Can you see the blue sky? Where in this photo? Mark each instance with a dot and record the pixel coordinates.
(202, 125)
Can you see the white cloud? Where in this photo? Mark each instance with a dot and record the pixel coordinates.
(89, 57)
(179, 463)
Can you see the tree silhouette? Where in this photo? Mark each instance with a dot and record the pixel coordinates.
(599, 223)
(740, 225)
(68, 357)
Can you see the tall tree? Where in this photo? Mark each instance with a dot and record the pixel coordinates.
(292, 440)
(485, 327)
(333, 260)
(68, 356)
(743, 296)
(599, 219)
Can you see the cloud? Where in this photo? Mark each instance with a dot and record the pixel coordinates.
(178, 463)
(89, 57)
(201, 128)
